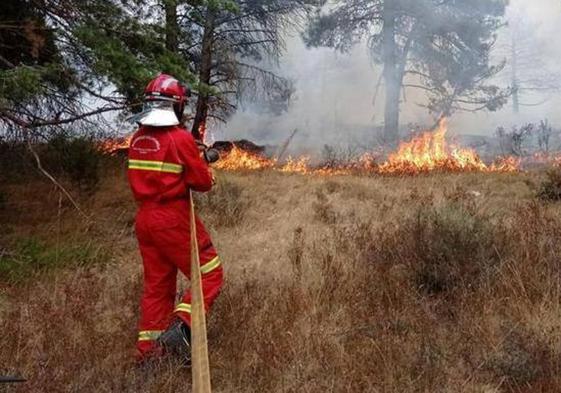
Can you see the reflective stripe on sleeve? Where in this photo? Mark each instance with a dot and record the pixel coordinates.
(210, 266)
(149, 335)
(156, 166)
(185, 307)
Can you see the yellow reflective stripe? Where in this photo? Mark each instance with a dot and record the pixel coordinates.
(157, 166)
(185, 307)
(149, 335)
(210, 266)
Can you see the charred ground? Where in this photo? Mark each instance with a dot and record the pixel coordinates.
(391, 284)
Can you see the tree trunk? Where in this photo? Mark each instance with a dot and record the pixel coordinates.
(391, 75)
(514, 79)
(172, 28)
(204, 76)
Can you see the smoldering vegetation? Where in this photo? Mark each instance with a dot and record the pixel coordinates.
(415, 284)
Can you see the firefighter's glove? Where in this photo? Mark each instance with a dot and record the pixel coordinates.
(211, 155)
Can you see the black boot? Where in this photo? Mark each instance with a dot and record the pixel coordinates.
(176, 340)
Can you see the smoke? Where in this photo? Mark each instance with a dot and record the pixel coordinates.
(540, 24)
(334, 98)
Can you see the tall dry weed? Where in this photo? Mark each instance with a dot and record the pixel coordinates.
(225, 205)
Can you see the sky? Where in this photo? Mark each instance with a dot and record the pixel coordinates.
(334, 95)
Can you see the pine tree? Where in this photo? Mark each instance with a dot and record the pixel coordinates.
(441, 47)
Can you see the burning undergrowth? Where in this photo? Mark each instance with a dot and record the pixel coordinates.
(428, 152)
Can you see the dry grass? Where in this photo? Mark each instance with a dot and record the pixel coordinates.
(445, 283)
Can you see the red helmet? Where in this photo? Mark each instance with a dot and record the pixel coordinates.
(164, 96)
(166, 87)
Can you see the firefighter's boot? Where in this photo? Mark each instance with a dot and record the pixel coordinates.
(176, 340)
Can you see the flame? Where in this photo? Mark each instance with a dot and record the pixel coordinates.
(430, 152)
(112, 146)
(202, 131)
(506, 164)
(238, 159)
(300, 165)
(425, 153)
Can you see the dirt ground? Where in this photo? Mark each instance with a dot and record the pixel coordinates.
(435, 283)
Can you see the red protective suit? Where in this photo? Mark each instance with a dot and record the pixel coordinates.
(164, 162)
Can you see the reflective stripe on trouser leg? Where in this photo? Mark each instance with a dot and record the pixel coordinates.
(183, 307)
(210, 266)
(149, 335)
(212, 283)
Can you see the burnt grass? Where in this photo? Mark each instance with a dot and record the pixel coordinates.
(444, 283)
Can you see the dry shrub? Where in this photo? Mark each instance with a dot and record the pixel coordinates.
(323, 210)
(523, 361)
(452, 246)
(225, 205)
(550, 188)
(296, 252)
(332, 186)
(447, 247)
(73, 333)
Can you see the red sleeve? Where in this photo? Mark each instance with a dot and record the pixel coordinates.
(196, 175)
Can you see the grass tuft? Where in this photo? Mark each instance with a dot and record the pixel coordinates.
(225, 205)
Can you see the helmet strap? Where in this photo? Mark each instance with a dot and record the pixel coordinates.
(179, 108)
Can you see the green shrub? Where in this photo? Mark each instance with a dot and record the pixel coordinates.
(16, 162)
(31, 255)
(78, 158)
(3, 200)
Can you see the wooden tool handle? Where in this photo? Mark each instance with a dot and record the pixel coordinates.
(200, 366)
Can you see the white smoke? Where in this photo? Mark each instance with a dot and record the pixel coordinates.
(333, 102)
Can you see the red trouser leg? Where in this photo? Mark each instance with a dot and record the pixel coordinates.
(178, 252)
(158, 296)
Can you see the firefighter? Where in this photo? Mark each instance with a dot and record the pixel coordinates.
(165, 162)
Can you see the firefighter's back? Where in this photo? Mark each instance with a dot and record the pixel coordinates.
(155, 167)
